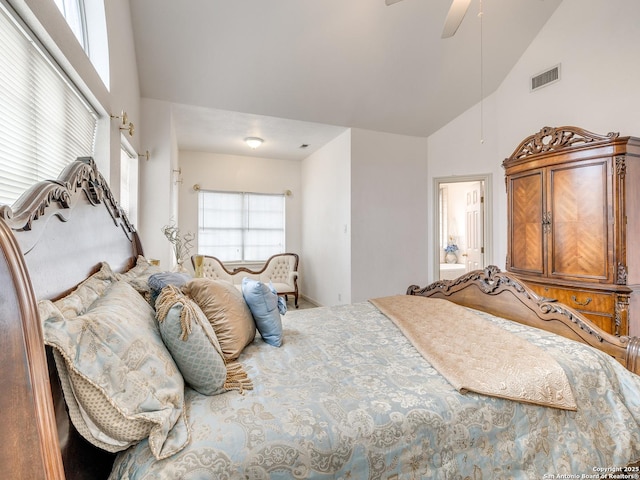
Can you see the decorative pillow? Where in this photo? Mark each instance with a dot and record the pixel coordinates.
(263, 304)
(142, 268)
(282, 303)
(138, 276)
(191, 340)
(227, 312)
(119, 381)
(78, 301)
(158, 281)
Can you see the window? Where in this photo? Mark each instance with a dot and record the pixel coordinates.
(235, 226)
(129, 183)
(73, 12)
(89, 25)
(44, 121)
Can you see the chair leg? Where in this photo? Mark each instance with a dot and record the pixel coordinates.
(295, 296)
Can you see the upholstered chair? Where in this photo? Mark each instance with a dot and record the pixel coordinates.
(280, 271)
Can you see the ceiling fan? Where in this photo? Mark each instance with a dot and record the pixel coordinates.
(454, 18)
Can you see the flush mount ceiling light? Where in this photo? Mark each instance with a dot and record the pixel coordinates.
(253, 142)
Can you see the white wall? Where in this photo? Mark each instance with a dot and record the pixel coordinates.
(357, 213)
(158, 201)
(596, 43)
(326, 218)
(459, 149)
(389, 206)
(124, 85)
(236, 173)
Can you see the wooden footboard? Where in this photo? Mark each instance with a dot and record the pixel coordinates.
(503, 295)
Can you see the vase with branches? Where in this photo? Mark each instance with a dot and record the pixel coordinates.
(181, 243)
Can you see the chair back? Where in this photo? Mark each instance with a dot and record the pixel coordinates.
(279, 268)
(213, 268)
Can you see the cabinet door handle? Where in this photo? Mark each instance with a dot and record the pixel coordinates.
(582, 304)
(546, 222)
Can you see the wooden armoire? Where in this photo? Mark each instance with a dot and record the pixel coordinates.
(573, 212)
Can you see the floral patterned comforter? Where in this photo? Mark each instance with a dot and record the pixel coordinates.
(348, 397)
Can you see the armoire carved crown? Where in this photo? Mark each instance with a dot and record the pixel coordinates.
(557, 138)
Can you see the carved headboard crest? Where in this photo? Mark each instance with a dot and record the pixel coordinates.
(558, 138)
(79, 176)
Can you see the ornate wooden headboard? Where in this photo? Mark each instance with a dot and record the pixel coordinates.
(52, 238)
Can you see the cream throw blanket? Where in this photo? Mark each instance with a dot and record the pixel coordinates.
(475, 355)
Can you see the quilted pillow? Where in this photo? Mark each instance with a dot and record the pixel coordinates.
(119, 381)
(138, 276)
(78, 301)
(227, 312)
(263, 304)
(192, 342)
(142, 268)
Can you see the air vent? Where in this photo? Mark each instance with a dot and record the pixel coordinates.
(545, 78)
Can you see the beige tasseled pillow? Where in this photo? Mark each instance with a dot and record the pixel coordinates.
(226, 310)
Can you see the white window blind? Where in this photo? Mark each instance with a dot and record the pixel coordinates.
(237, 226)
(44, 122)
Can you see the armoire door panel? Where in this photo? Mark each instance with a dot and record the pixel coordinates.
(526, 223)
(579, 223)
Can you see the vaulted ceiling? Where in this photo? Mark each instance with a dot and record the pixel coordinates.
(301, 71)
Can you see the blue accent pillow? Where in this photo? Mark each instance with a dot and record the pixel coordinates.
(282, 303)
(263, 303)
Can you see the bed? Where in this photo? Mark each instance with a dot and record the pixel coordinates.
(349, 394)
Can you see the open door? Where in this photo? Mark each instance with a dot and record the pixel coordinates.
(461, 225)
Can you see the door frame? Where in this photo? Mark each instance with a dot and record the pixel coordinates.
(487, 224)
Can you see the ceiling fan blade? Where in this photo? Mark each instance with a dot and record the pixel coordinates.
(454, 17)
(391, 2)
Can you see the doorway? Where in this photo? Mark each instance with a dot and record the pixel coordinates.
(462, 225)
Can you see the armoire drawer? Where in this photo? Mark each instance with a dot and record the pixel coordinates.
(582, 300)
(599, 307)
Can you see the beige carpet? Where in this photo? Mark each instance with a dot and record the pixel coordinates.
(475, 355)
(303, 304)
